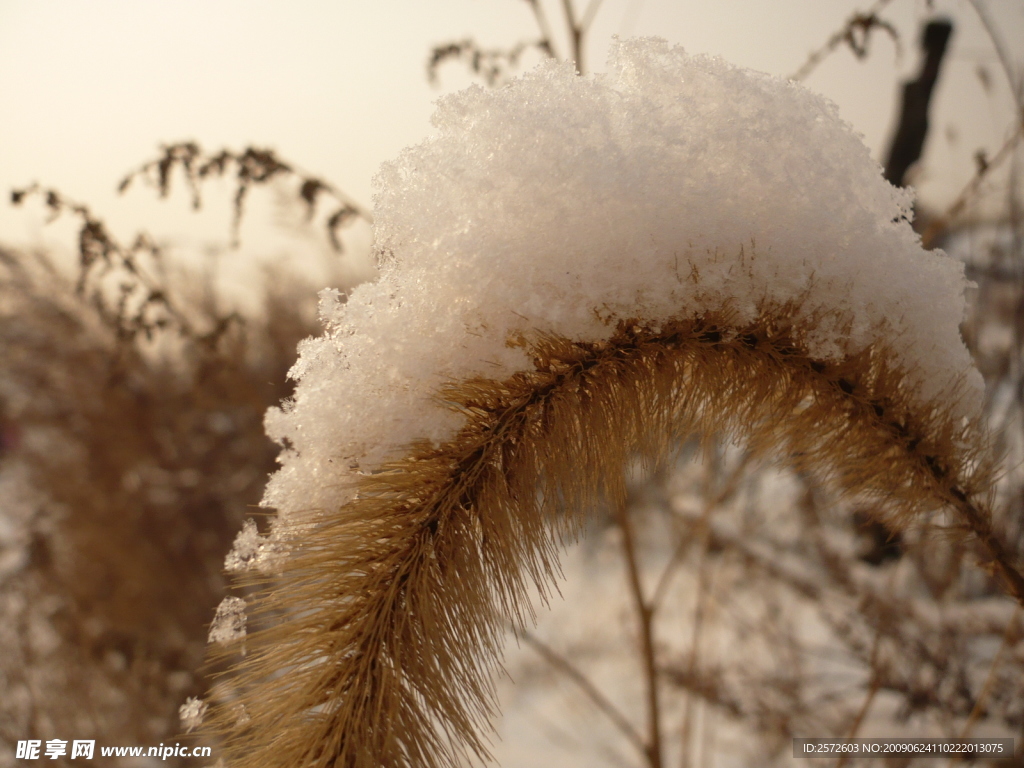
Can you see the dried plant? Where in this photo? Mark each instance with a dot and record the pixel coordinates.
(856, 34)
(932, 648)
(496, 65)
(133, 406)
(122, 284)
(390, 611)
(395, 605)
(889, 637)
(773, 617)
(145, 465)
(250, 167)
(132, 402)
(493, 65)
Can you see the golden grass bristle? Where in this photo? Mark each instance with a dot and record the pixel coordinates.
(385, 624)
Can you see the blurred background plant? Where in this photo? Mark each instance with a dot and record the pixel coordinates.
(731, 608)
(132, 403)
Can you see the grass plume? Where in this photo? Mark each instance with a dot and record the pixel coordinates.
(389, 612)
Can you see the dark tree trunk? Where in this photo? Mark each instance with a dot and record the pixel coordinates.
(917, 94)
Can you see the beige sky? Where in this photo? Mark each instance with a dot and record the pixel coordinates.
(89, 89)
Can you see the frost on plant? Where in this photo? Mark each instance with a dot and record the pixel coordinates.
(191, 713)
(229, 621)
(246, 549)
(576, 271)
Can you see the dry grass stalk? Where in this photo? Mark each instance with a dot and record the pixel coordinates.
(496, 65)
(389, 614)
(937, 227)
(137, 399)
(855, 33)
(147, 450)
(644, 610)
(250, 167)
(910, 639)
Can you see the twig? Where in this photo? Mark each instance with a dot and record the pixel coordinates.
(645, 614)
(590, 14)
(698, 626)
(711, 470)
(863, 21)
(912, 130)
(494, 64)
(876, 682)
(547, 39)
(575, 34)
(1004, 58)
(725, 492)
(100, 255)
(599, 700)
(252, 166)
(990, 679)
(939, 225)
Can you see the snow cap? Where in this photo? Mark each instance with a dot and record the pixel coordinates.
(668, 187)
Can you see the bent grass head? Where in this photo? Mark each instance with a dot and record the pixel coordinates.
(715, 254)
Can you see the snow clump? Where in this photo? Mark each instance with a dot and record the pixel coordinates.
(228, 622)
(668, 187)
(246, 550)
(191, 713)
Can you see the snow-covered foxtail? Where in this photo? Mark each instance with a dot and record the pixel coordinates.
(576, 272)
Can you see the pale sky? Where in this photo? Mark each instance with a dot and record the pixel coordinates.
(91, 88)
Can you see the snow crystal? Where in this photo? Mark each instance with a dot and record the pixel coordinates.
(670, 186)
(228, 622)
(242, 716)
(246, 549)
(191, 713)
